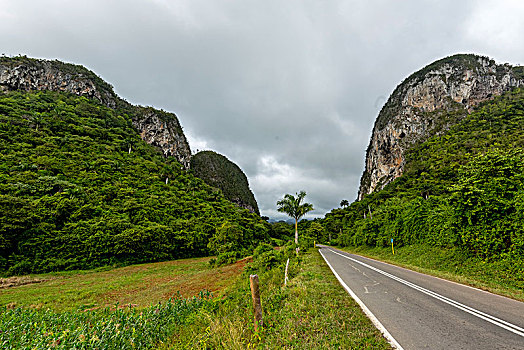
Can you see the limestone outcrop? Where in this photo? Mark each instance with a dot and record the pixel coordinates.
(427, 103)
(158, 128)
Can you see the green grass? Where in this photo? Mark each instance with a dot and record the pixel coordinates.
(313, 311)
(452, 264)
(140, 285)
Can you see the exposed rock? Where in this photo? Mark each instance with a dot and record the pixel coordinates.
(26, 74)
(162, 129)
(219, 172)
(158, 128)
(427, 103)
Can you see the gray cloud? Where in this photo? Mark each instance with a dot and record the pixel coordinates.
(288, 90)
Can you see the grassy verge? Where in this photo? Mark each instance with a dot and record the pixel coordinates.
(138, 285)
(313, 311)
(498, 277)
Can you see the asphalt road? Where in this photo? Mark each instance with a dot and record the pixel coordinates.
(417, 311)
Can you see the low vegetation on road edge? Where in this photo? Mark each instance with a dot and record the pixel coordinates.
(452, 265)
(313, 311)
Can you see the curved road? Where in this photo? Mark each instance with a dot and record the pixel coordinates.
(417, 311)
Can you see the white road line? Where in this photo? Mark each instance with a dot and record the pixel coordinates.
(492, 319)
(364, 308)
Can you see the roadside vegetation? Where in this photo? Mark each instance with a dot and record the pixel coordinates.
(311, 312)
(458, 207)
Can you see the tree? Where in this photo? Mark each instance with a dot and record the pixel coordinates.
(226, 239)
(292, 206)
(344, 203)
(316, 232)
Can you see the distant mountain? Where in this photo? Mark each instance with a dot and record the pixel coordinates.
(428, 103)
(156, 127)
(87, 179)
(445, 168)
(218, 171)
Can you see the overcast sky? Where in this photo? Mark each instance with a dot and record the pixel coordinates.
(288, 90)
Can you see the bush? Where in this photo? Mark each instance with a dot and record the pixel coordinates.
(225, 258)
(265, 257)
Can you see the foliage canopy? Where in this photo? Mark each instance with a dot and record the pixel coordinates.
(462, 189)
(72, 196)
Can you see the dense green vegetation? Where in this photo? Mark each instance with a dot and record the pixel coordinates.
(103, 329)
(221, 173)
(462, 190)
(72, 196)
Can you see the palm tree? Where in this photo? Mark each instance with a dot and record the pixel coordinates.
(292, 206)
(344, 203)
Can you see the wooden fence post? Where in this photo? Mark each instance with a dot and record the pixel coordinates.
(285, 277)
(257, 305)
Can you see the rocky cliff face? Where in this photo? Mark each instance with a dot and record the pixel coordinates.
(158, 128)
(26, 74)
(426, 103)
(163, 130)
(219, 172)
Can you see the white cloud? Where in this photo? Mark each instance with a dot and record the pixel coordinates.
(196, 143)
(497, 25)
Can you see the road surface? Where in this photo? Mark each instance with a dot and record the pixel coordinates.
(417, 311)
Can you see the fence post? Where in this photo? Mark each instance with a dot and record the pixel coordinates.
(285, 277)
(257, 305)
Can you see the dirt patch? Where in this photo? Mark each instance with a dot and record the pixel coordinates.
(214, 280)
(16, 281)
(153, 289)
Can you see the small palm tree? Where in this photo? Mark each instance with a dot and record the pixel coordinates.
(344, 203)
(294, 208)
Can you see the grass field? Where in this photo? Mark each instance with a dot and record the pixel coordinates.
(496, 277)
(77, 309)
(69, 310)
(138, 285)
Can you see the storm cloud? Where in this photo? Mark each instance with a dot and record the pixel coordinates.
(289, 90)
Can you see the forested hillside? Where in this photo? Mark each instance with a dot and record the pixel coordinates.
(462, 190)
(218, 171)
(80, 189)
